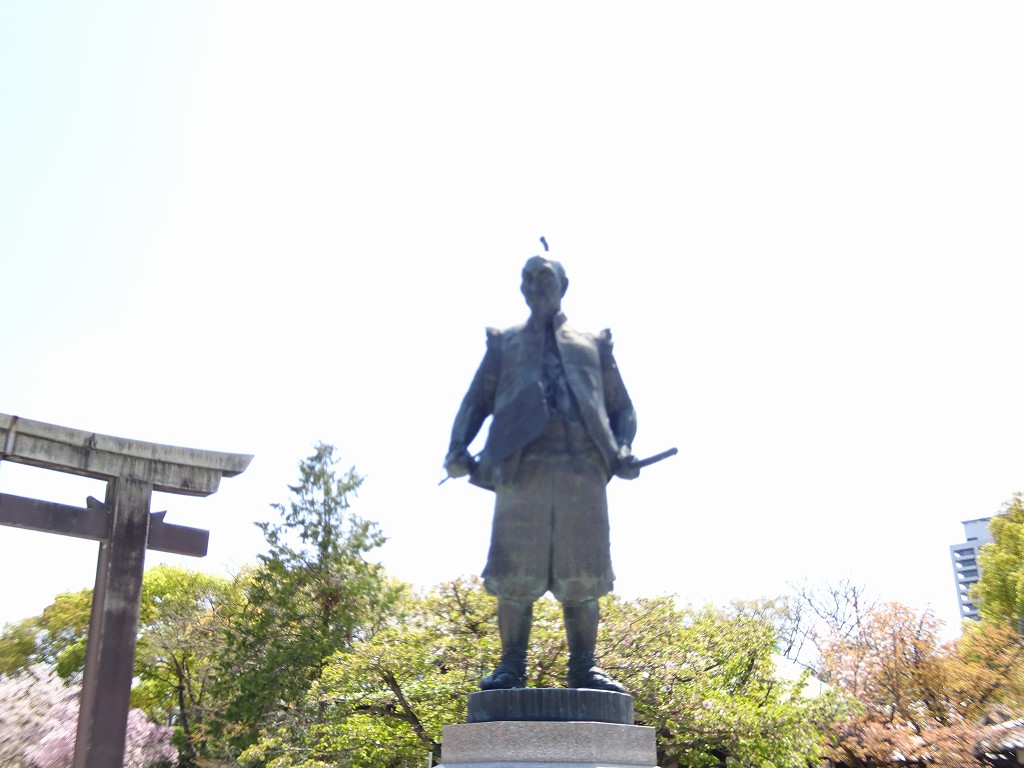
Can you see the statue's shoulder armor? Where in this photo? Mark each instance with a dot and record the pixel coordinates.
(602, 339)
(498, 338)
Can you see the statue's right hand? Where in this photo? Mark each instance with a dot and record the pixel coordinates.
(459, 463)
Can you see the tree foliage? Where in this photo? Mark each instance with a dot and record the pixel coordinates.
(703, 678)
(312, 593)
(312, 657)
(920, 698)
(39, 719)
(999, 592)
(183, 625)
(986, 674)
(180, 634)
(706, 680)
(382, 702)
(56, 638)
(218, 658)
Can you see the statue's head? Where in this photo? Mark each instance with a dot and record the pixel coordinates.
(544, 285)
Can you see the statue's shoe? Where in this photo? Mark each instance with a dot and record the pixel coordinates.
(503, 677)
(596, 679)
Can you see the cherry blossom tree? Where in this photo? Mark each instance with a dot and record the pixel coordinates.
(39, 720)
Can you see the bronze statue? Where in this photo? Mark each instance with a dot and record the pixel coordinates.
(563, 425)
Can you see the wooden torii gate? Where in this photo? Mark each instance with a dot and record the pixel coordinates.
(123, 525)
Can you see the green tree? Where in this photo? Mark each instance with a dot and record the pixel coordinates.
(180, 633)
(312, 594)
(18, 646)
(383, 701)
(183, 628)
(704, 679)
(999, 592)
(988, 674)
(56, 638)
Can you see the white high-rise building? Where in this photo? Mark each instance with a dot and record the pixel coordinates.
(965, 563)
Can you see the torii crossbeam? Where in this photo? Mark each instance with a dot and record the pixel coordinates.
(123, 525)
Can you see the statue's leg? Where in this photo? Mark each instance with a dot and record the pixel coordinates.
(581, 620)
(514, 620)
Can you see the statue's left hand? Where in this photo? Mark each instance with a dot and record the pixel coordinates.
(626, 464)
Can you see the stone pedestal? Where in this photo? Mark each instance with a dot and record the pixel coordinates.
(548, 728)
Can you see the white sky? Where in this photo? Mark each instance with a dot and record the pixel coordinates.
(250, 226)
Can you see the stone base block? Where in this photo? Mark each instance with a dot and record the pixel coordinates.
(547, 745)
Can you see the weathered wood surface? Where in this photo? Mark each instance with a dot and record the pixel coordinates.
(113, 626)
(47, 516)
(176, 539)
(168, 468)
(133, 469)
(94, 523)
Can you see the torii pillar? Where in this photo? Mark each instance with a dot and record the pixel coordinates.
(124, 527)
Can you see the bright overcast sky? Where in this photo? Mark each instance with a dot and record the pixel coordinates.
(247, 227)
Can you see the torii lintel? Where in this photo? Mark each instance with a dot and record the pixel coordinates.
(167, 468)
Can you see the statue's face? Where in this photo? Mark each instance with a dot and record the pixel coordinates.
(542, 287)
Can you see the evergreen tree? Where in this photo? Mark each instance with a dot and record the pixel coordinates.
(311, 594)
